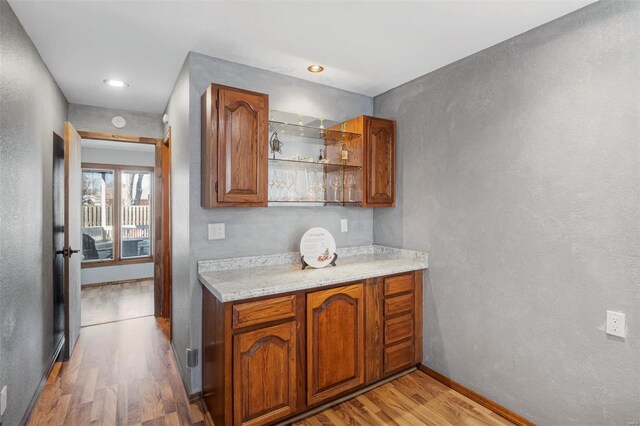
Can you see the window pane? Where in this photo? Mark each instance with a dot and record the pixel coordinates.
(136, 213)
(97, 215)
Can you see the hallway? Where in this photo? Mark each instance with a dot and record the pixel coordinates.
(116, 302)
(120, 373)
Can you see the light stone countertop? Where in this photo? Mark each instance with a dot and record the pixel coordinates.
(248, 277)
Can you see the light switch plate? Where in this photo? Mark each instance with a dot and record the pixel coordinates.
(216, 231)
(616, 324)
(344, 226)
(3, 400)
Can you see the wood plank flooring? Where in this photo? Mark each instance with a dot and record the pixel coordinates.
(411, 400)
(124, 373)
(121, 373)
(116, 302)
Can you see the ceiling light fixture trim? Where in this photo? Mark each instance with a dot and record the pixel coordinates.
(115, 83)
(315, 68)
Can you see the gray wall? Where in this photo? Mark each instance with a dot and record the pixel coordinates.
(134, 271)
(250, 231)
(121, 157)
(519, 173)
(178, 111)
(98, 119)
(32, 107)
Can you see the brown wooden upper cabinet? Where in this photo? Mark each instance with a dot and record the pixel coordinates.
(234, 147)
(379, 151)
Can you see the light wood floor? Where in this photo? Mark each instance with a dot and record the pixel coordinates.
(411, 400)
(124, 373)
(121, 373)
(116, 302)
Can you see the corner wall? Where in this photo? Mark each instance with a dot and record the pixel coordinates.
(519, 172)
(249, 231)
(32, 108)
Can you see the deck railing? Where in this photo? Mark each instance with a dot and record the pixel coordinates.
(135, 222)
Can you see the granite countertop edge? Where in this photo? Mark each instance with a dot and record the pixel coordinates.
(245, 269)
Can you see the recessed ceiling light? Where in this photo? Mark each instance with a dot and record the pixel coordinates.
(315, 68)
(116, 83)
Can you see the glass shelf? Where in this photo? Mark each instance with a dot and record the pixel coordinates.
(297, 130)
(289, 203)
(333, 166)
(301, 180)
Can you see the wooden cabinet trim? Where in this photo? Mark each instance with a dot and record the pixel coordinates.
(389, 342)
(398, 329)
(399, 284)
(318, 304)
(263, 311)
(375, 165)
(252, 390)
(398, 304)
(418, 313)
(216, 176)
(241, 164)
(398, 357)
(374, 329)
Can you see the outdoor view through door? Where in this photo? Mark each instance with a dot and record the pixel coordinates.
(124, 224)
(116, 214)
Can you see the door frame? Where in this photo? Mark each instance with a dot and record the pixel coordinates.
(162, 287)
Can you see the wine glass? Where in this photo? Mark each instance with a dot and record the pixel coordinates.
(321, 185)
(292, 194)
(349, 184)
(280, 184)
(272, 184)
(334, 182)
(310, 176)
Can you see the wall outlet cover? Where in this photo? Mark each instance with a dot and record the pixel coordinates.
(216, 231)
(616, 324)
(344, 226)
(3, 400)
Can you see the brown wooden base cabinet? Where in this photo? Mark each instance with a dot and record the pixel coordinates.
(268, 359)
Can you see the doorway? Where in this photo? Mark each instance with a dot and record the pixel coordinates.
(125, 228)
(58, 241)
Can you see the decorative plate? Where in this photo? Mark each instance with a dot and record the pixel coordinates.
(318, 247)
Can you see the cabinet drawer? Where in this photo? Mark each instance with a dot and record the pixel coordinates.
(398, 356)
(399, 284)
(398, 304)
(398, 329)
(263, 311)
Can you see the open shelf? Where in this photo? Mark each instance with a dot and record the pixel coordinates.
(297, 130)
(297, 162)
(286, 162)
(307, 203)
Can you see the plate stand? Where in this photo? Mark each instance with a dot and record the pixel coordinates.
(333, 262)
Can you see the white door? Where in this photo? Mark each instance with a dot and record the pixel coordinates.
(72, 236)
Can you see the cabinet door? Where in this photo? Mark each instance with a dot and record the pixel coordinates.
(264, 374)
(335, 342)
(242, 143)
(381, 152)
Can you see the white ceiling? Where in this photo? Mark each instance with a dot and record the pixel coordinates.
(366, 47)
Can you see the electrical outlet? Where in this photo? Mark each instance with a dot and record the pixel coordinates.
(616, 324)
(344, 226)
(3, 400)
(216, 231)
